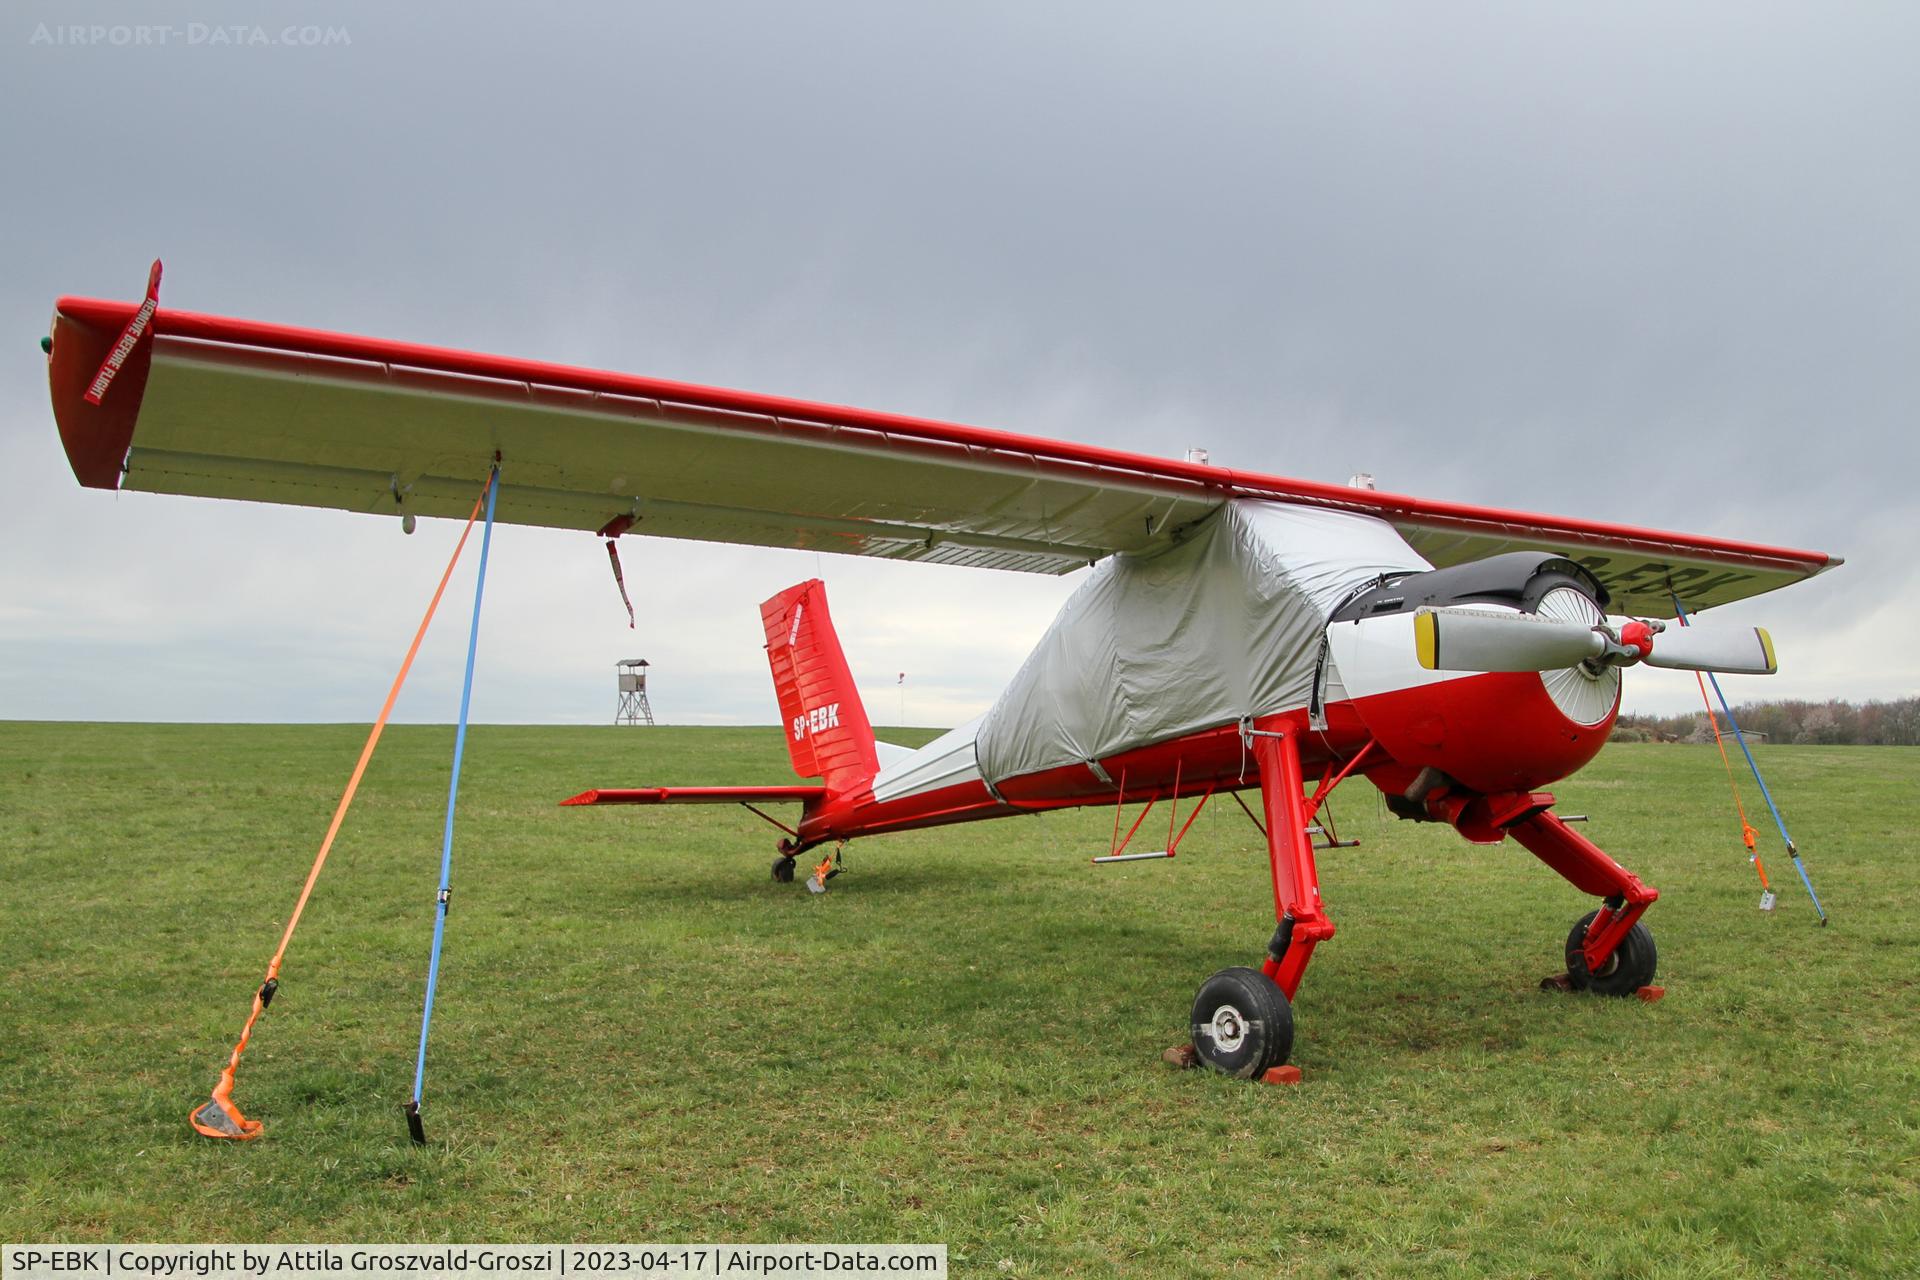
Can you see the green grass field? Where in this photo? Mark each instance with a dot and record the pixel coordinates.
(641, 1037)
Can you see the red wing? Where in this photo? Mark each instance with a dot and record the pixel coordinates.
(228, 408)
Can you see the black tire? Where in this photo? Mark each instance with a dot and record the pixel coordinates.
(1242, 1024)
(783, 870)
(1628, 969)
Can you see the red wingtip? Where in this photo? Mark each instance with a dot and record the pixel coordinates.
(585, 797)
(95, 436)
(97, 347)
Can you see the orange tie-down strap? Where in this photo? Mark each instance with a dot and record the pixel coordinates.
(1747, 832)
(219, 1117)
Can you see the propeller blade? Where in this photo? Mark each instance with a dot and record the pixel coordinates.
(1732, 650)
(1483, 640)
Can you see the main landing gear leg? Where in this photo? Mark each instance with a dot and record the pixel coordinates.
(1242, 1019)
(1609, 951)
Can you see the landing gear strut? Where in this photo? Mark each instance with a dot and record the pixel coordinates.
(1242, 1019)
(1609, 952)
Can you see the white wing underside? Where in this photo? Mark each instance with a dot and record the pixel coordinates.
(237, 409)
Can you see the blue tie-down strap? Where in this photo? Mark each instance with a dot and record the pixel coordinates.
(414, 1126)
(1793, 850)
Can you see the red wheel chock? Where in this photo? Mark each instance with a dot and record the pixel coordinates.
(1561, 982)
(1182, 1058)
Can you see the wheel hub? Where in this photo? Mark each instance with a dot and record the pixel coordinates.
(1229, 1028)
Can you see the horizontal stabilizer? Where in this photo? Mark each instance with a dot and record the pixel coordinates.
(890, 754)
(696, 795)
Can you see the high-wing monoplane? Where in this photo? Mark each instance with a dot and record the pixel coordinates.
(1236, 631)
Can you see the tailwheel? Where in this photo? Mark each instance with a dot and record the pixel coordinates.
(783, 869)
(1242, 1023)
(1628, 969)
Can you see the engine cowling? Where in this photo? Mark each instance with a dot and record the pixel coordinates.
(1489, 732)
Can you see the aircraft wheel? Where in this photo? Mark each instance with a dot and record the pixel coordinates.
(783, 870)
(1242, 1024)
(1628, 969)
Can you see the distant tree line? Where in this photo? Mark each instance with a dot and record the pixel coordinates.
(1871, 724)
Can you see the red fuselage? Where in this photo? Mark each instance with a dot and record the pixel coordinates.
(1490, 733)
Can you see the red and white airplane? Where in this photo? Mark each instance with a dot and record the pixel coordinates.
(1236, 631)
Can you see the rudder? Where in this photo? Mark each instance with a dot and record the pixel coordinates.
(828, 734)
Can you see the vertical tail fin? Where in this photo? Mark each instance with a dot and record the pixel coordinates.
(828, 734)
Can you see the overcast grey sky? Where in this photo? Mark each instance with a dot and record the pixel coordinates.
(1639, 262)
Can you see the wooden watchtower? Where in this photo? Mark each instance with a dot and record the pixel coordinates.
(633, 707)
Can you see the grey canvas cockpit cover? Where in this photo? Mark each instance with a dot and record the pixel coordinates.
(1225, 624)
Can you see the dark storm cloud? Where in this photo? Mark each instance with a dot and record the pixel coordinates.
(1633, 262)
